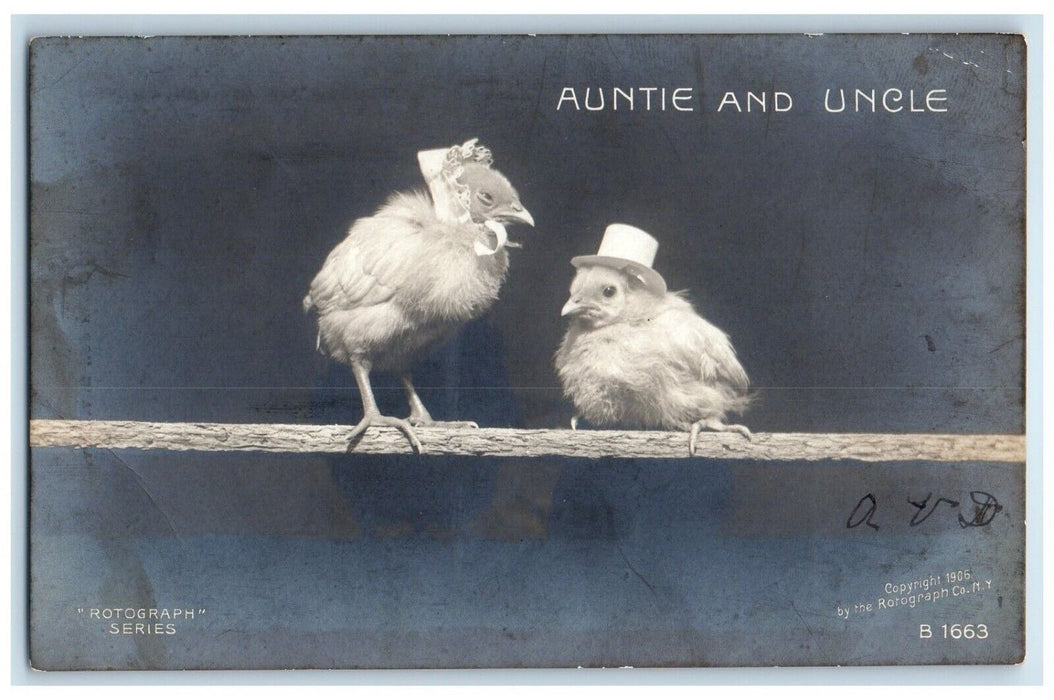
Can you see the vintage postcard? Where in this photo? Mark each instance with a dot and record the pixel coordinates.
(547, 351)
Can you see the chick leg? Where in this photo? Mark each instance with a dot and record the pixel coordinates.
(371, 415)
(716, 425)
(419, 415)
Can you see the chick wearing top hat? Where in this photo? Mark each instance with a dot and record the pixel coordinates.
(637, 356)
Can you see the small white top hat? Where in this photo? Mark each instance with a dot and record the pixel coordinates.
(631, 250)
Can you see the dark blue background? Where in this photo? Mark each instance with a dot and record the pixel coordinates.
(184, 191)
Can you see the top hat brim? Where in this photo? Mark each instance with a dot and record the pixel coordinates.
(653, 281)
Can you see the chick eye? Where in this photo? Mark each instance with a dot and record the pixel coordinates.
(485, 198)
(608, 291)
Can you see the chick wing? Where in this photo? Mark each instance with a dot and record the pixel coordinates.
(703, 349)
(373, 263)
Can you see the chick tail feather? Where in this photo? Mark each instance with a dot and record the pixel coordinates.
(308, 305)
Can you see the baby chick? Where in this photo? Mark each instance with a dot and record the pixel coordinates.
(410, 276)
(638, 357)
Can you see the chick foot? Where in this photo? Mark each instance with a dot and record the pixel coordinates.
(457, 424)
(372, 419)
(423, 419)
(716, 426)
(420, 417)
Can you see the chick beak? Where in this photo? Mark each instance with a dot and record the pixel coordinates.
(573, 307)
(514, 213)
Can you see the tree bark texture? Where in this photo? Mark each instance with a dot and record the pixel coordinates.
(508, 442)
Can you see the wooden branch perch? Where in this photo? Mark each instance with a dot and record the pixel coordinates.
(505, 442)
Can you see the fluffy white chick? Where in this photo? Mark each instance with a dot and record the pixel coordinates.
(635, 359)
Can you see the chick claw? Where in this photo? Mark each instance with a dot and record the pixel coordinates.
(457, 424)
(716, 426)
(376, 419)
(421, 418)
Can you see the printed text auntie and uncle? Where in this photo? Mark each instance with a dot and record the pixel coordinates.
(684, 99)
